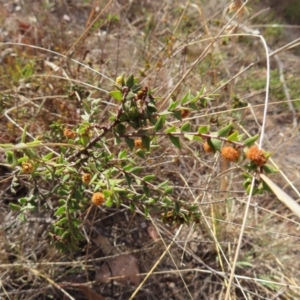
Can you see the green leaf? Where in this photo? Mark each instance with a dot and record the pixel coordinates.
(120, 129)
(247, 182)
(130, 143)
(127, 167)
(128, 179)
(176, 208)
(47, 156)
(186, 98)
(23, 200)
(122, 154)
(168, 190)
(84, 139)
(146, 142)
(167, 201)
(60, 222)
(160, 123)
(241, 136)
(175, 141)
(177, 115)
(130, 81)
(190, 137)
(30, 153)
(94, 178)
(201, 92)
(224, 131)
(163, 184)
(107, 193)
(194, 208)
(148, 178)
(66, 178)
(113, 182)
(165, 113)
(13, 206)
(116, 95)
(141, 153)
(23, 138)
(120, 190)
(137, 180)
(146, 211)
(136, 170)
(247, 175)
(251, 166)
(269, 169)
(251, 141)
(197, 138)
(173, 105)
(186, 127)
(112, 118)
(146, 190)
(117, 140)
(109, 202)
(28, 206)
(248, 190)
(136, 87)
(22, 159)
(132, 207)
(193, 101)
(22, 217)
(62, 201)
(203, 129)
(65, 235)
(60, 211)
(171, 129)
(234, 136)
(11, 158)
(215, 144)
(203, 101)
(193, 106)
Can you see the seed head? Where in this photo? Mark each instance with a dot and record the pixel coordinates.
(86, 178)
(98, 199)
(138, 143)
(69, 133)
(184, 113)
(230, 153)
(256, 155)
(119, 80)
(27, 167)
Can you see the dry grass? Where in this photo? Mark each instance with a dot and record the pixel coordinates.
(175, 47)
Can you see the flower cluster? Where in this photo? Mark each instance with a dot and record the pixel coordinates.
(86, 178)
(27, 167)
(230, 153)
(70, 134)
(98, 198)
(256, 155)
(138, 143)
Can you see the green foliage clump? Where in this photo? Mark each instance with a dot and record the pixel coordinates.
(95, 164)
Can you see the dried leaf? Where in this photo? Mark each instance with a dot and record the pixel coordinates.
(103, 243)
(24, 27)
(90, 294)
(282, 196)
(236, 5)
(153, 233)
(123, 268)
